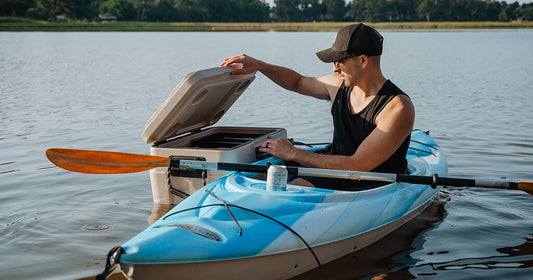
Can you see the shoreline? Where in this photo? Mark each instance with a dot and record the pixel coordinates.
(23, 24)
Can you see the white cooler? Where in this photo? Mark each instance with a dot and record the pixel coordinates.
(180, 128)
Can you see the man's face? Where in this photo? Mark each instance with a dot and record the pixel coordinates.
(349, 69)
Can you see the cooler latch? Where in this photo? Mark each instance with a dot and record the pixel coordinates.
(187, 173)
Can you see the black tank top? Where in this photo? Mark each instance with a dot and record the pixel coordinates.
(351, 129)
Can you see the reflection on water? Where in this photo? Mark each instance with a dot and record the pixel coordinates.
(511, 258)
(158, 210)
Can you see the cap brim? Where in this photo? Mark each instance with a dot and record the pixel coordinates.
(330, 55)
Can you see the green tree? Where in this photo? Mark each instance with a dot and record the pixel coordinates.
(15, 7)
(254, 10)
(401, 10)
(426, 9)
(312, 10)
(49, 9)
(301, 10)
(286, 10)
(160, 10)
(85, 9)
(503, 16)
(259, 11)
(527, 10)
(512, 10)
(375, 10)
(220, 10)
(191, 10)
(356, 8)
(335, 10)
(122, 9)
(493, 10)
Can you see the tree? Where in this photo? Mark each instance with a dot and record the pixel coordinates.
(335, 10)
(122, 9)
(49, 9)
(15, 7)
(286, 10)
(426, 9)
(85, 9)
(401, 10)
(253, 10)
(527, 10)
(259, 11)
(312, 10)
(161, 10)
(503, 16)
(191, 10)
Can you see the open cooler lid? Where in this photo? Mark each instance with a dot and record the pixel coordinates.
(199, 100)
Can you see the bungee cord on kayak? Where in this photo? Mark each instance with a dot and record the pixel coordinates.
(227, 208)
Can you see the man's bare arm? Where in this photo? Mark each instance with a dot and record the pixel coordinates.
(320, 87)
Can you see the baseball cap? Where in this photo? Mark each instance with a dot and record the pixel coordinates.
(351, 40)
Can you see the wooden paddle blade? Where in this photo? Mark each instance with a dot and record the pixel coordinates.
(102, 162)
(526, 186)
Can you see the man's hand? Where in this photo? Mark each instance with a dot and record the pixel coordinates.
(281, 148)
(249, 64)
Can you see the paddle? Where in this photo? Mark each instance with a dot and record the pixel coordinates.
(101, 162)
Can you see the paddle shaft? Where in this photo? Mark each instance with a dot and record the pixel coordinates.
(354, 175)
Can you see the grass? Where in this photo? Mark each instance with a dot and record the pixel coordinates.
(23, 24)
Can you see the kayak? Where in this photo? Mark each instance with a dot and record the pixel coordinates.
(236, 227)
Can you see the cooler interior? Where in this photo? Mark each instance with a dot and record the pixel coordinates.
(223, 140)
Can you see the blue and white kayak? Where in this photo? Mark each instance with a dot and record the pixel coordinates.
(235, 228)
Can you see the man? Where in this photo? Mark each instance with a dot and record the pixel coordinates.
(372, 117)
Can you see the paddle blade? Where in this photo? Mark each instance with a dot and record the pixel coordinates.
(526, 186)
(102, 162)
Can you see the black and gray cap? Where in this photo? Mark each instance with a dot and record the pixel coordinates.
(353, 40)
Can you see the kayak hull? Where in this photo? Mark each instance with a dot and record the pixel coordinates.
(270, 267)
(234, 228)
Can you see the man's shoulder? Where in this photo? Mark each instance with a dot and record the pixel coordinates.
(331, 83)
(402, 102)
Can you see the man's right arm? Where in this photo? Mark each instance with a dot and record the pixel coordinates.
(323, 87)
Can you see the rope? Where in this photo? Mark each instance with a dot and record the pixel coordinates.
(425, 144)
(111, 265)
(227, 208)
(431, 153)
(173, 190)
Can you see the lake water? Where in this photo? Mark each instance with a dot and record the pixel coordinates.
(472, 89)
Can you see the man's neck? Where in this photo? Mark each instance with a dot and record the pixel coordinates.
(369, 87)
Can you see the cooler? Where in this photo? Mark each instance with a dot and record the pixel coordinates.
(181, 128)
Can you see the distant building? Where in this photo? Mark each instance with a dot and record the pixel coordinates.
(523, 19)
(61, 18)
(108, 17)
